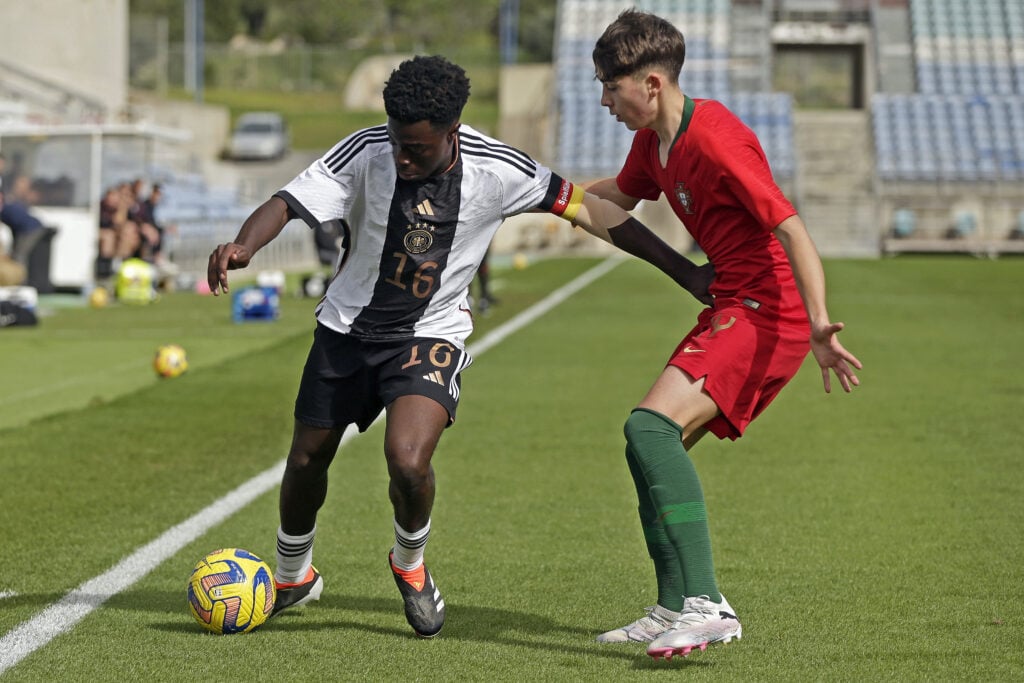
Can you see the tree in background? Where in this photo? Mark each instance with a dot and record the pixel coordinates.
(386, 25)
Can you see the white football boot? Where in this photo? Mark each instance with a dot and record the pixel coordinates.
(700, 623)
(643, 630)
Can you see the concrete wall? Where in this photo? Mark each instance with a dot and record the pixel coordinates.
(364, 90)
(524, 103)
(80, 44)
(208, 125)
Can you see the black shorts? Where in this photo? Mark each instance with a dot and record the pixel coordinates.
(347, 379)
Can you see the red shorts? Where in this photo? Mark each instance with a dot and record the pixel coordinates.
(746, 356)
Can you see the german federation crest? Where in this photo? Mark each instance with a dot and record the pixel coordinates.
(418, 240)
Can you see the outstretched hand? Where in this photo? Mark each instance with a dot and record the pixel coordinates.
(224, 258)
(831, 355)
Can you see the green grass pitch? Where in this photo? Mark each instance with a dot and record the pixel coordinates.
(865, 537)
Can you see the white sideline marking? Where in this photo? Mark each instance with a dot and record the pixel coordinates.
(61, 616)
(7, 594)
(498, 334)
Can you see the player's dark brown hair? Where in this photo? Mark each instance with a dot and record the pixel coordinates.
(426, 89)
(636, 41)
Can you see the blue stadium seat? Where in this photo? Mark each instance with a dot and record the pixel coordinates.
(979, 44)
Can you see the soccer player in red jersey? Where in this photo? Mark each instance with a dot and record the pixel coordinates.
(769, 309)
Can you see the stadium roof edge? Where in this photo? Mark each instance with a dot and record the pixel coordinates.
(163, 133)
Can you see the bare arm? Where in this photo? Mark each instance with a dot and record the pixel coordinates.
(607, 188)
(262, 226)
(810, 280)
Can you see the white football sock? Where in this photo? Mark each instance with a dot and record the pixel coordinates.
(294, 556)
(409, 547)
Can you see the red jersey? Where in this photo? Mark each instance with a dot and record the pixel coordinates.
(720, 186)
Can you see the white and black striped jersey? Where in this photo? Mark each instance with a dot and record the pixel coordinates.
(412, 248)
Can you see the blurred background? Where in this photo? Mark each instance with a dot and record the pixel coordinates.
(893, 125)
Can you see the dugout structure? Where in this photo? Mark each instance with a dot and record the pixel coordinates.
(69, 167)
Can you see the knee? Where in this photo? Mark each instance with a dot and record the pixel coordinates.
(644, 424)
(408, 463)
(305, 464)
(310, 456)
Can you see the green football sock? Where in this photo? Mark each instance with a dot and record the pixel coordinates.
(667, 571)
(675, 490)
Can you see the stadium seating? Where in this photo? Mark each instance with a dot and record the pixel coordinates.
(930, 137)
(966, 120)
(968, 48)
(204, 216)
(592, 143)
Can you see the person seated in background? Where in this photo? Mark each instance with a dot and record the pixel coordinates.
(11, 272)
(120, 237)
(31, 243)
(151, 232)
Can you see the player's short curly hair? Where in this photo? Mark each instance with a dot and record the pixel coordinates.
(426, 89)
(637, 41)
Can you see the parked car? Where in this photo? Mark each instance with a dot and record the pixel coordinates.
(259, 135)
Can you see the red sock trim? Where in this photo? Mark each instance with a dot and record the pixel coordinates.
(309, 577)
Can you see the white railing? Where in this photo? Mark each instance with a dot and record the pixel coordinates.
(292, 250)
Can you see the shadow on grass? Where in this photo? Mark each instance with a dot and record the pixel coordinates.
(469, 623)
(465, 623)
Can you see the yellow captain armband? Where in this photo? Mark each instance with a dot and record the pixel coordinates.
(575, 202)
(568, 202)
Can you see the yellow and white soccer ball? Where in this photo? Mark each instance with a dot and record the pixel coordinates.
(170, 361)
(231, 591)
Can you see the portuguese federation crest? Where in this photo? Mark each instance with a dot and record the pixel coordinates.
(685, 197)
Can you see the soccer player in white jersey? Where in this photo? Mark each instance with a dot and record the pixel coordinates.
(418, 200)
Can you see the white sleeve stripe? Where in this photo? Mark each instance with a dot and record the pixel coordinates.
(353, 145)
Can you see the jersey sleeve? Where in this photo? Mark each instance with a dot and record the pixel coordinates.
(323, 191)
(635, 178)
(314, 196)
(747, 175)
(541, 189)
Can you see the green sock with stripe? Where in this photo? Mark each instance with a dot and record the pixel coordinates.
(677, 496)
(667, 571)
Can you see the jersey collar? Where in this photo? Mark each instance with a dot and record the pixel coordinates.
(688, 107)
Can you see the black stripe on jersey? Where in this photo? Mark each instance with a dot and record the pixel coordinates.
(551, 196)
(348, 148)
(410, 276)
(494, 144)
(477, 146)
